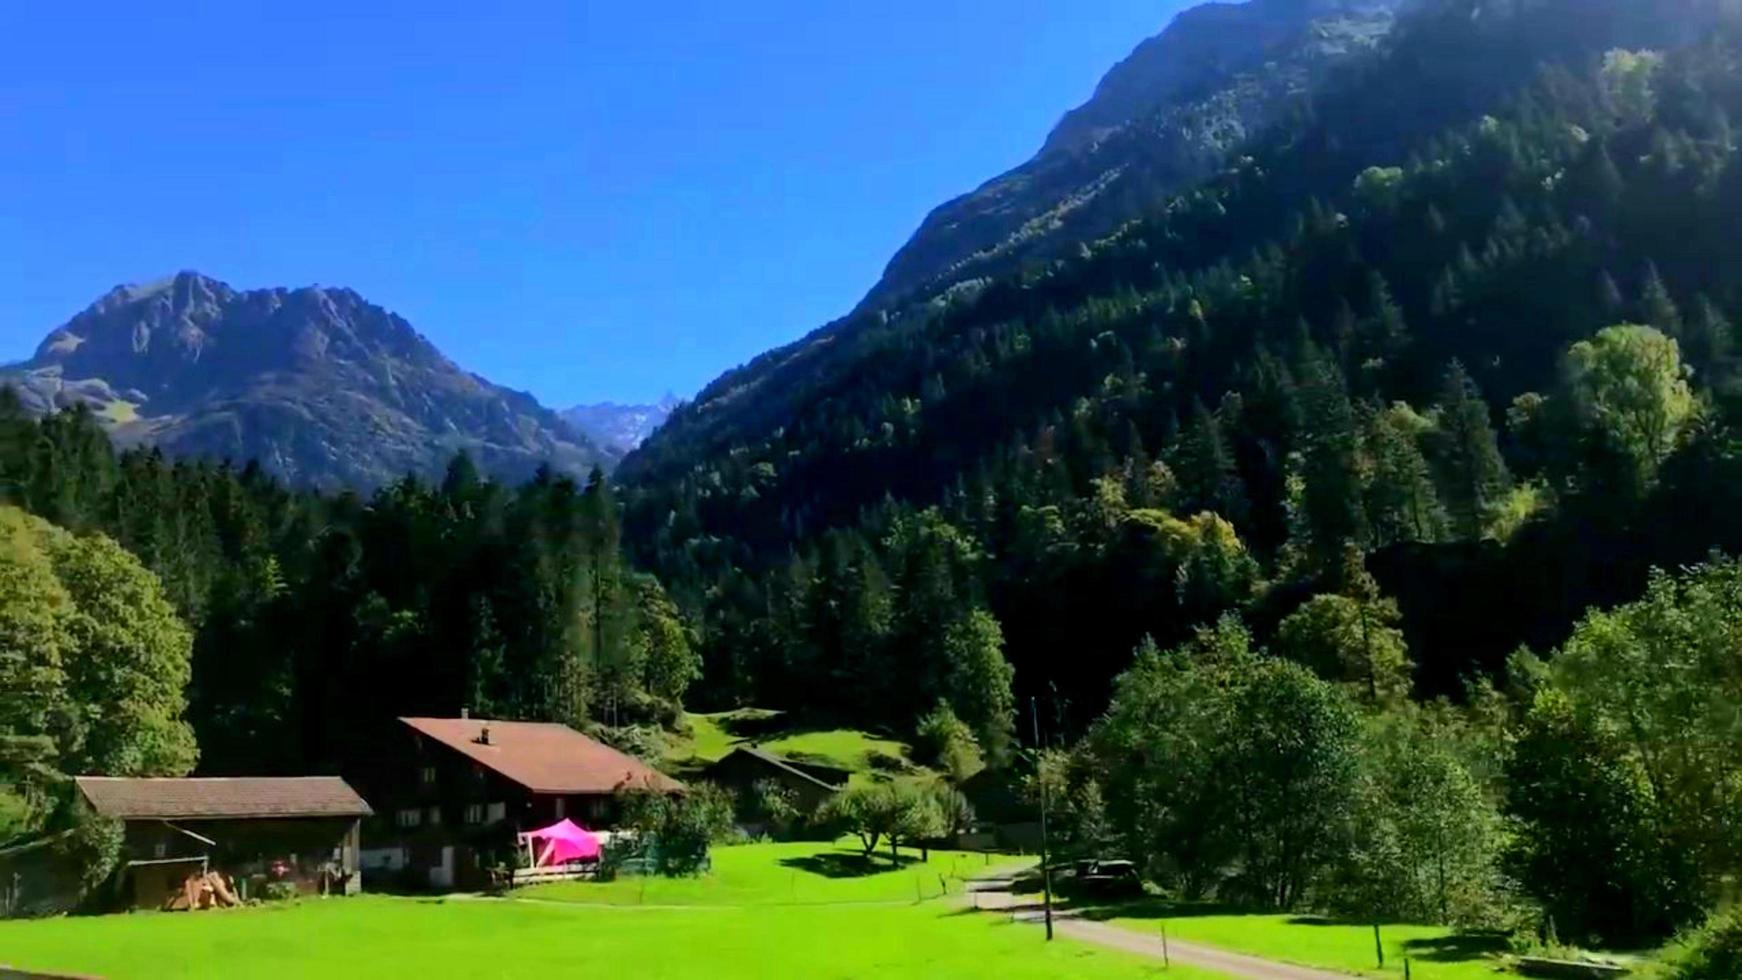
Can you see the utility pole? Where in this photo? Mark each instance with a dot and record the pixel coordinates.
(1045, 849)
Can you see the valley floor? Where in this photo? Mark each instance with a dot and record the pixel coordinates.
(791, 910)
(393, 937)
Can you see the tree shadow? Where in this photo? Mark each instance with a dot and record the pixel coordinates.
(758, 724)
(846, 864)
(1154, 908)
(1458, 947)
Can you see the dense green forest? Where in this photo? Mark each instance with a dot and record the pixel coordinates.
(1365, 333)
(1437, 370)
(315, 619)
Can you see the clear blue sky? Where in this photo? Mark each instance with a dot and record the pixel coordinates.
(589, 201)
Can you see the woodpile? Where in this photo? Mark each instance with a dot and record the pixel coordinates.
(201, 891)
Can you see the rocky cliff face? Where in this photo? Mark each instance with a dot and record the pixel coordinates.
(318, 384)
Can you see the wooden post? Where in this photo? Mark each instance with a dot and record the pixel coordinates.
(1166, 963)
(1406, 968)
(1045, 871)
(1378, 947)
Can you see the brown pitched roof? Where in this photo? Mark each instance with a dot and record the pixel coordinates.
(544, 757)
(192, 799)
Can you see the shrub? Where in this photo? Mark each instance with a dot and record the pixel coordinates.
(771, 804)
(946, 743)
(279, 891)
(1711, 952)
(644, 742)
(678, 827)
(94, 847)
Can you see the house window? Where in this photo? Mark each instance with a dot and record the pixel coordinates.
(560, 808)
(496, 813)
(435, 816)
(428, 775)
(160, 849)
(474, 813)
(409, 818)
(596, 808)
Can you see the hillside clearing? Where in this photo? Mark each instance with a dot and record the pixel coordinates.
(713, 736)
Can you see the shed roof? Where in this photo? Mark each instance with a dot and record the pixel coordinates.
(783, 764)
(221, 798)
(544, 757)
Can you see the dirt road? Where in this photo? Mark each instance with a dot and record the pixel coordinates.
(993, 895)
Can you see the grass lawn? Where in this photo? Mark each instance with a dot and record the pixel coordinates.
(1435, 953)
(791, 874)
(397, 937)
(714, 735)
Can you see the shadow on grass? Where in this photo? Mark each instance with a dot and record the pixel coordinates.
(758, 724)
(1456, 948)
(1153, 908)
(845, 864)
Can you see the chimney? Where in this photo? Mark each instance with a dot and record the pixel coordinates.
(484, 735)
(465, 713)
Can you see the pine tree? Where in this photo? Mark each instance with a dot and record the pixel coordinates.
(1328, 445)
(1472, 474)
(1402, 502)
(1205, 469)
(1657, 306)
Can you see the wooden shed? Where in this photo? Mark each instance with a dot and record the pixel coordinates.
(811, 784)
(254, 831)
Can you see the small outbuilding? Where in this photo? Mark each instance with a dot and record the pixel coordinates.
(745, 766)
(191, 840)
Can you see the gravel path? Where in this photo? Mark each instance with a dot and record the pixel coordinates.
(992, 896)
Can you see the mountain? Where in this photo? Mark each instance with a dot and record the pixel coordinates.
(1171, 114)
(620, 427)
(322, 387)
(1166, 116)
(1382, 329)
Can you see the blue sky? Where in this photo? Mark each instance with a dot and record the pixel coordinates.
(590, 201)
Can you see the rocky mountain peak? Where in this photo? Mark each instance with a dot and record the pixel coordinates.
(318, 383)
(1202, 44)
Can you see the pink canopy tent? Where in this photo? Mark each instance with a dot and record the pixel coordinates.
(560, 843)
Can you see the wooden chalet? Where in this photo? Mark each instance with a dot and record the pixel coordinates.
(452, 794)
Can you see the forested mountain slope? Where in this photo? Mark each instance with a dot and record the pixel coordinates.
(1364, 338)
(1166, 117)
(319, 385)
(316, 619)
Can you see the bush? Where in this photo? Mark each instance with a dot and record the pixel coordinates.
(94, 847)
(768, 803)
(644, 742)
(947, 744)
(279, 891)
(677, 828)
(1711, 952)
